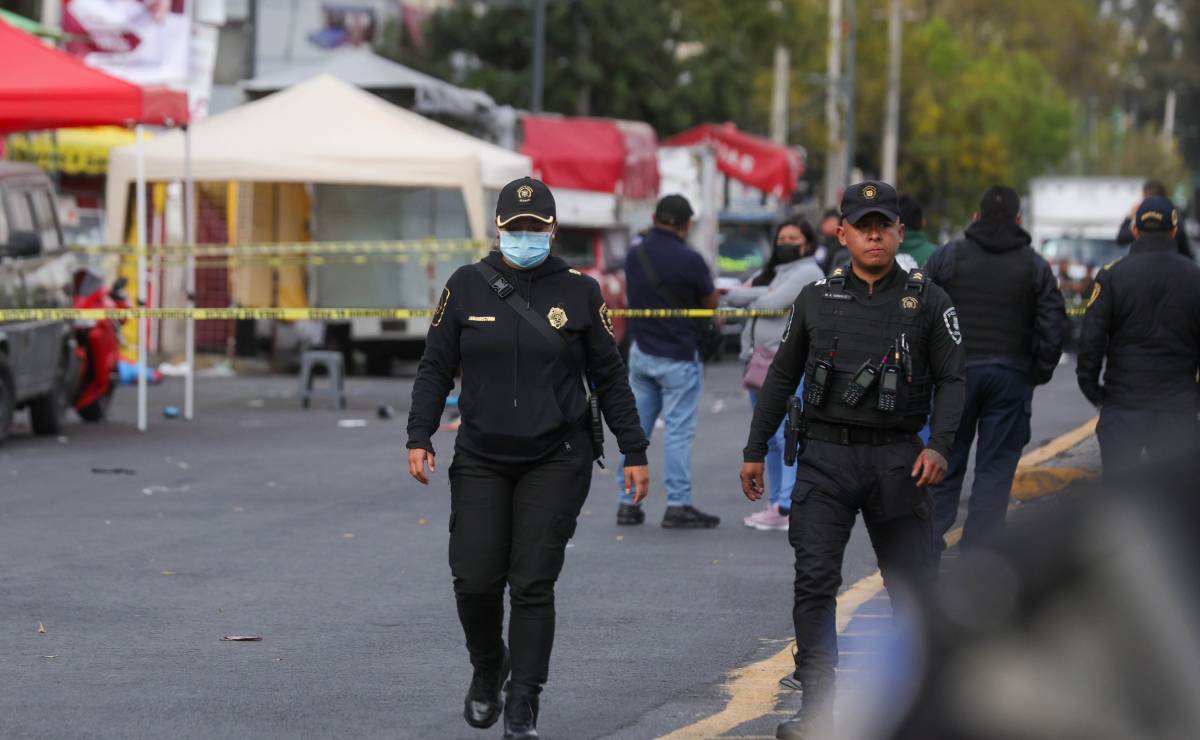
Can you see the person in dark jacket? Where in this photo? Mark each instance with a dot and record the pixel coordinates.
(872, 342)
(1143, 324)
(1153, 189)
(523, 455)
(663, 272)
(1014, 324)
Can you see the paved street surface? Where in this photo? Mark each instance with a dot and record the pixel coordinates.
(262, 519)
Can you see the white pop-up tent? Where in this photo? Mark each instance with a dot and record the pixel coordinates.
(322, 130)
(319, 131)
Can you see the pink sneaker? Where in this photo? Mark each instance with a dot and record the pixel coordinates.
(767, 520)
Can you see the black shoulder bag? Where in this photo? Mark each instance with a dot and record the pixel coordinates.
(504, 289)
(710, 333)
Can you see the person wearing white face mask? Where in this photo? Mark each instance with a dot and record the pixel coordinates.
(526, 330)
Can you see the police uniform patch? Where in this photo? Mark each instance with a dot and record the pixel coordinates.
(606, 320)
(951, 319)
(557, 317)
(1095, 294)
(440, 311)
(910, 303)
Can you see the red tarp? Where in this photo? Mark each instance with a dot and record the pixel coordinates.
(594, 154)
(41, 87)
(748, 159)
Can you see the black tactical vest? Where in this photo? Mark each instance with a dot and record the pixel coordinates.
(994, 295)
(864, 329)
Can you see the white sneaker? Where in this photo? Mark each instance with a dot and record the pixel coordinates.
(767, 520)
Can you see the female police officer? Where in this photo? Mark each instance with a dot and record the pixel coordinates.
(525, 329)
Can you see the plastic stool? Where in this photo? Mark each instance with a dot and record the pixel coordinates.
(334, 365)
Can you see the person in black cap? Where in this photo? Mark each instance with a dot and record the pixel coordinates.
(526, 331)
(1143, 325)
(663, 272)
(872, 341)
(1152, 188)
(1014, 324)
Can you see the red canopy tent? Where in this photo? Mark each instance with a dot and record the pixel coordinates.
(596, 154)
(748, 159)
(41, 87)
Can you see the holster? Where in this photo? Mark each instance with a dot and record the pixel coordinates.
(793, 432)
(596, 426)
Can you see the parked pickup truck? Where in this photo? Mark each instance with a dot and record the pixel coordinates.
(37, 358)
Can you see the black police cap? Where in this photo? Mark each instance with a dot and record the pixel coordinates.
(525, 198)
(1156, 213)
(673, 210)
(869, 197)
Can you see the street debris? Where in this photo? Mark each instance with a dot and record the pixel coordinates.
(422, 521)
(172, 412)
(352, 423)
(114, 471)
(151, 490)
(41, 629)
(385, 411)
(241, 638)
(168, 572)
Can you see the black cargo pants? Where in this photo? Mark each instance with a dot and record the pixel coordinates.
(833, 483)
(509, 525)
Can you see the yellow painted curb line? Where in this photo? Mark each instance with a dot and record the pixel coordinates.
(754, 689)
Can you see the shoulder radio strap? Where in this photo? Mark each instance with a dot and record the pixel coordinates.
(504, 289)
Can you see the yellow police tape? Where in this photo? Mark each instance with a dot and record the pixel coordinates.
(181, 251)
(324, 314)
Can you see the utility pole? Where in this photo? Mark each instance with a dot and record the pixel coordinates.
(539, 54)
(834, 157)
(851, 89)
(891, 120)
(779, 96)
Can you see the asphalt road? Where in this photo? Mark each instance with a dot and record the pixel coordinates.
(259, 518)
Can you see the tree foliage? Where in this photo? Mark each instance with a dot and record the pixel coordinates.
(991, 91)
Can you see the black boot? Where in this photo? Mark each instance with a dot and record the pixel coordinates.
(482, 706)
(629, 515)
(815, 718)
(520, 714)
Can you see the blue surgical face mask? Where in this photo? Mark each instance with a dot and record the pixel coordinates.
(525, 249)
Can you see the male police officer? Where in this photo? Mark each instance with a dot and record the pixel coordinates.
(1144, 319)
(871, 341)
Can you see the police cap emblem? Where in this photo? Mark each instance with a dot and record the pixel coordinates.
(869, 192)
(524, 194)
(557, 317)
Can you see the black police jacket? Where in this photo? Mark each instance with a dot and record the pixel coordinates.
(1143, 318)
(521, 396)
(864, 320)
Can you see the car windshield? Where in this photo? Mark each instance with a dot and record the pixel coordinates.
(575, 247)
(743, 249)
(1089, 252)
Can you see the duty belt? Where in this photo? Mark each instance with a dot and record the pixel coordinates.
(854, 435)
